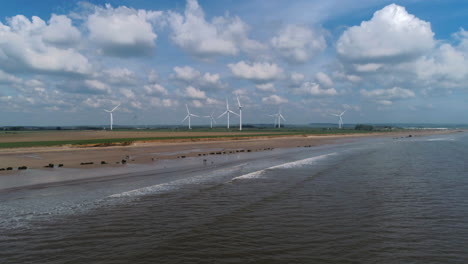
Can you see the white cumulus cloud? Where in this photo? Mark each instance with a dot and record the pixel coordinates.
(257, 72)
(61, 32)
(324, 79)
(189, 75)
(194, 93)
(391, 35)
(387, 96)
(120, 76)
(32, 46)
(123, 31)
(8, 78)
(298, 43)
(97, 86)
(222, 36)
(155, 89)
(312, 88)
(274, 99)
(186, 73)
(266, 87)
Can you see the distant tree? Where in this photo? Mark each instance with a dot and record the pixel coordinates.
(16, 128)
(364, 127)
(58, 128)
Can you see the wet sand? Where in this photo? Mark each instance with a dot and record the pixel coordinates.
(149, 152)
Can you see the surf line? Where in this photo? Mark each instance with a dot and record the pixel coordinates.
(173, 185)
(170, 186)
(288, 165)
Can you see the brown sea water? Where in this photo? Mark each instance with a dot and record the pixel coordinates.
(371, 201)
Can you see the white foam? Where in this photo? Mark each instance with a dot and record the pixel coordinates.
(161, 188)
(145, 190)
(252, 175)
(288, 165)
(174, 185)
(440, 139)
(301, 163)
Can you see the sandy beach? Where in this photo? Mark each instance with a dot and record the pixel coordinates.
(146, 152)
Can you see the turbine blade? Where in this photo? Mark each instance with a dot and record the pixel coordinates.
(215, 121)
(238, 102)
(185, 118)
(194, 115)
(233, 113)
(281, 116)
(225, 112)
(186, 106)
(115, 107)
(108, 111)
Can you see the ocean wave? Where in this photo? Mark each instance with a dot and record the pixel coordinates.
(146, 190)
(252, 175)
(174, 185)
(288, 165)
(440, 139)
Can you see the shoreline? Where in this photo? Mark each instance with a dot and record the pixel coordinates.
(150, 152)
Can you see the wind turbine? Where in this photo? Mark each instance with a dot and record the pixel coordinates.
(278, 118)
(211, 119)
(111, 117)
(340, 122)
(227, 112)
(189, 115)
(240, 113)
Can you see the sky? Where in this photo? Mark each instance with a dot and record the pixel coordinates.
(63, 62)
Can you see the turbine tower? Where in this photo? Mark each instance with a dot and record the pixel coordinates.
(340, 121)
(227, 112)
(189, 115)
(276, 119)
(111, 117)
(211, 119)
(240, 113)
(278, 116)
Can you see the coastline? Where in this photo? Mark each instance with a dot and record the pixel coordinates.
(150, 152)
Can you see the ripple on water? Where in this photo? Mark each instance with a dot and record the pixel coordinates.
(400, 202)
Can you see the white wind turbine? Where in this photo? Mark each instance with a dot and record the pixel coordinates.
(111, 117)
(240, 113)
(278, 118)
(211, 119)
(189, 115)
(340, 121)
(227, 112)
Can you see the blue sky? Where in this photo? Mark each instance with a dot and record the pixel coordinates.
(63, 62)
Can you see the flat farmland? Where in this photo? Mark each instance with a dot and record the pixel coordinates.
(61, 135)
(12, 139)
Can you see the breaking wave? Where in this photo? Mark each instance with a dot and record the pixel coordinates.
(288, 165)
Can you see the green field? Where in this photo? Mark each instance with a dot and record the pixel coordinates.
(214, 133)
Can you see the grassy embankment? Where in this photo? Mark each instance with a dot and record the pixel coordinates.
(218, 134)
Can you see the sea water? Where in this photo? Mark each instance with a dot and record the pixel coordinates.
(399, 200)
